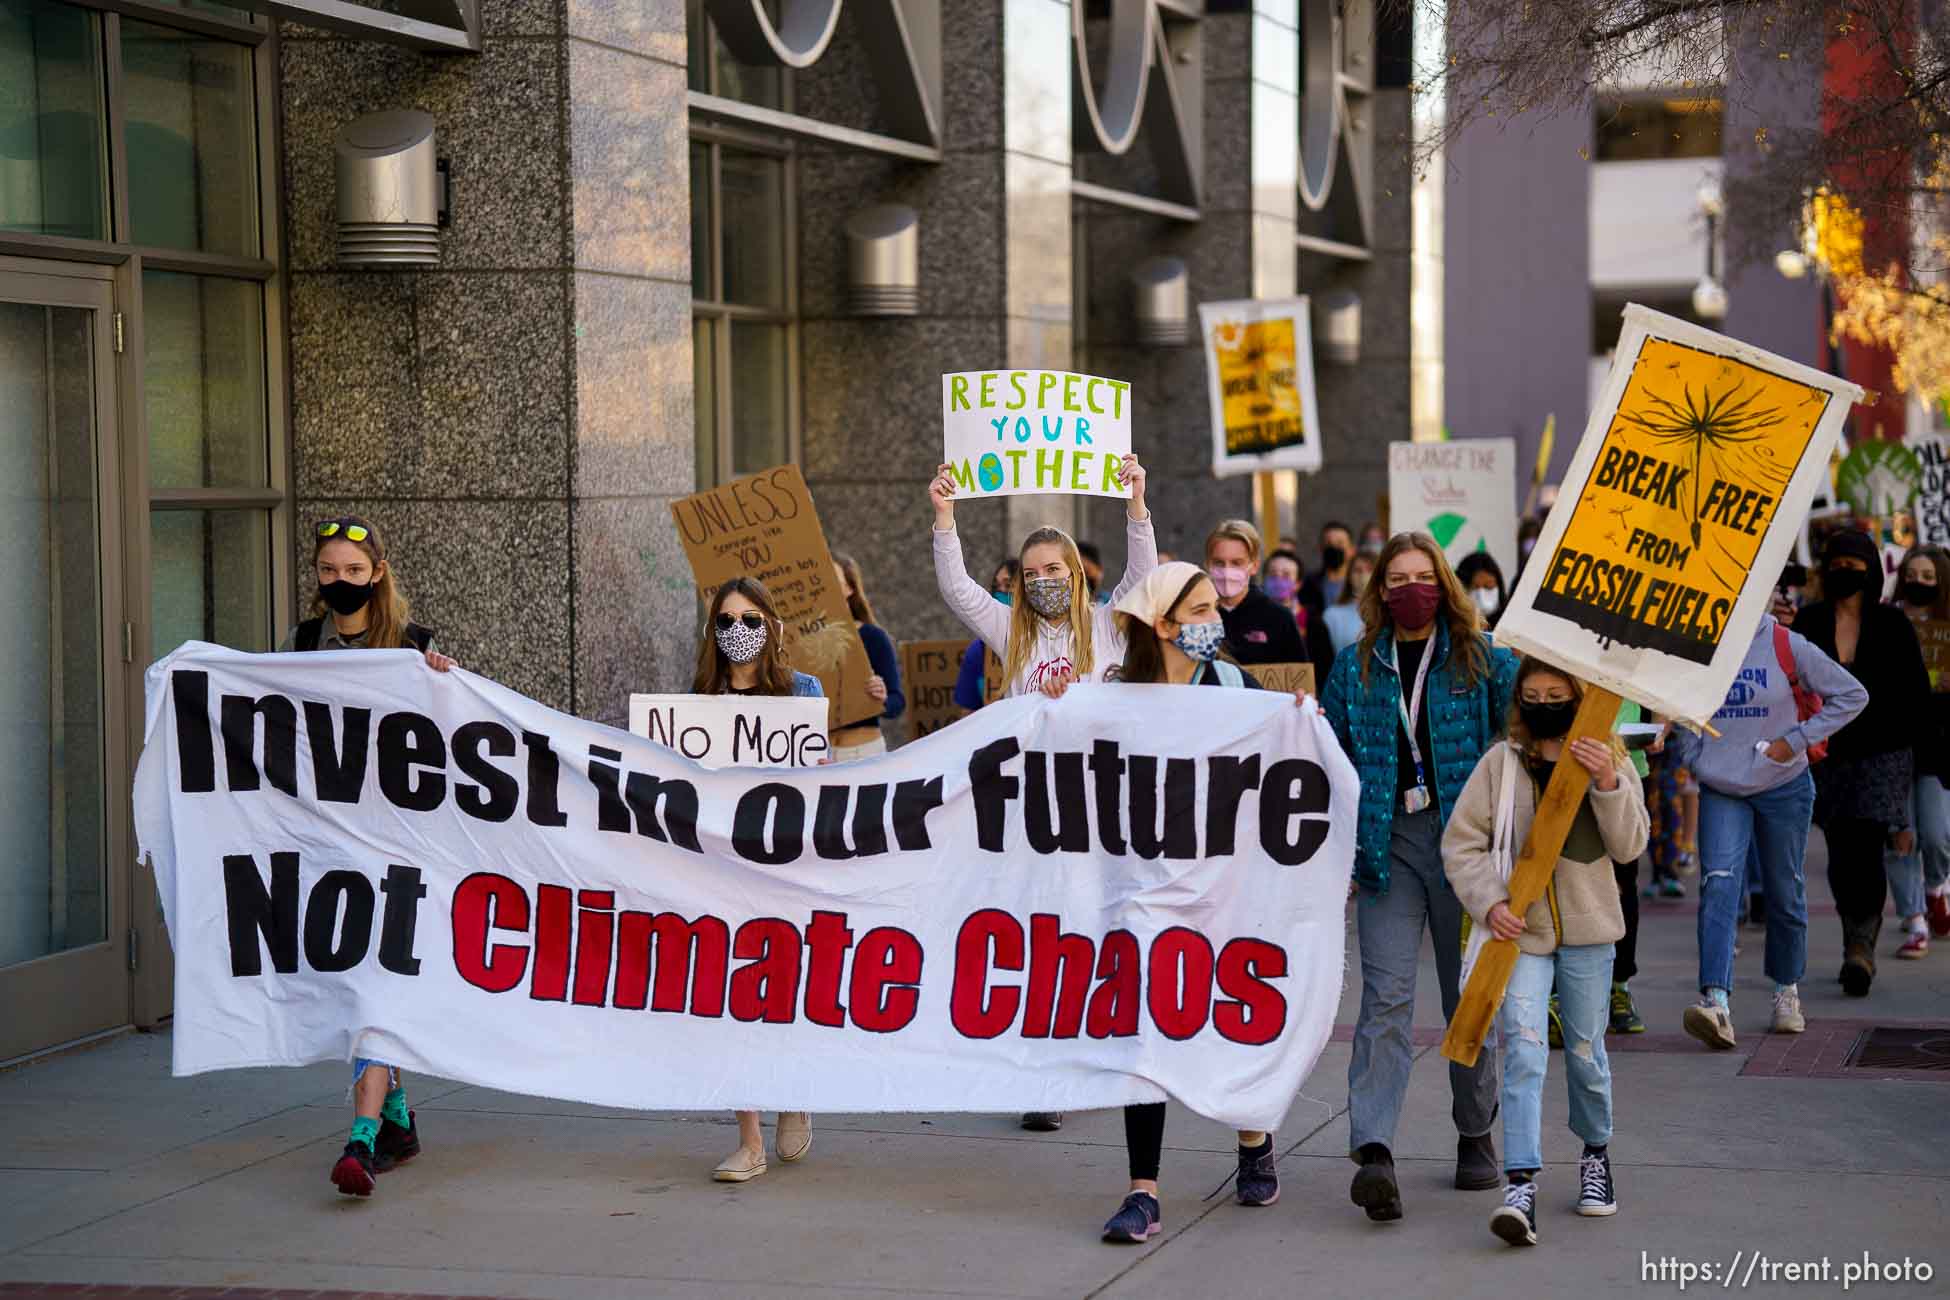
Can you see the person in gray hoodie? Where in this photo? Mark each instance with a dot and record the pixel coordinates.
(1755, 790)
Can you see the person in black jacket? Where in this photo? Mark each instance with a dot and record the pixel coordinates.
(1258, 631)
(1863, 789)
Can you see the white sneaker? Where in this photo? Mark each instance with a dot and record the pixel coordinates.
(1787, 1011)
(1710, 1022)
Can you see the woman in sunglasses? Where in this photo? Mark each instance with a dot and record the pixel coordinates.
(360, 606)
(742, 652)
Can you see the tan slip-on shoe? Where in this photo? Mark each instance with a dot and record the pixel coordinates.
(741, 1166)
(794, 1137)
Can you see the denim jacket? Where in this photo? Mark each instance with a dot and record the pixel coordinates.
(1465, 722)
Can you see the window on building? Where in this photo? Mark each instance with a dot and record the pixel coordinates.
(1640, 129)
(743, 280)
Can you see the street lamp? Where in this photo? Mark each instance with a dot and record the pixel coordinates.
(1709, 295)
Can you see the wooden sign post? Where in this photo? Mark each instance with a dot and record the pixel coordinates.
(1529, 878)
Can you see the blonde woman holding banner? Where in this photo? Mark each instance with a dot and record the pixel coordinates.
(1053, 634)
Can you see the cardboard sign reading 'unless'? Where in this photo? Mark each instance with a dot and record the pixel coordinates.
(1006, 432)
(765, 527)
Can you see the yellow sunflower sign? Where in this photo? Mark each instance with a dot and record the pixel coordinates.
(1677, 514)
(1259, 369)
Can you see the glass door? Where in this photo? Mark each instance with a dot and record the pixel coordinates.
(64, 842)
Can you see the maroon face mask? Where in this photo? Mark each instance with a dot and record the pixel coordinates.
(1412, 604)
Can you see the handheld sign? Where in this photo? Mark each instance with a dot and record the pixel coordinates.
(1879, 478)
(734, 730)
(1259, 370)
(1463, 494)
(1933, 634)
(1007, 432)
(1681, 504)
(1933, 494)
(928, 671)
(765, 527)
(1288, 679)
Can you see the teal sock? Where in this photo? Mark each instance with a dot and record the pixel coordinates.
(394, 1111)
(365, 1130)
(1719, 996)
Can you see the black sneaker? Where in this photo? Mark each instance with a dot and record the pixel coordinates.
(1375, 1189)
(1476, 1167)
(1043, 1121)
(1257, 1183)
(1515, 1221)
(1597, 1197)
(395, 1145)
(1137, 1220)
(353, 1174)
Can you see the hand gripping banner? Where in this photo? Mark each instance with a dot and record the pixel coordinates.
(1051, 905)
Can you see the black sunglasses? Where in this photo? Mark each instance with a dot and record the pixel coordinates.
(750, 618)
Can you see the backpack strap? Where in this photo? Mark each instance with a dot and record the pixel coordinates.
(1784, 655)
(308, 634)
(1228, 673)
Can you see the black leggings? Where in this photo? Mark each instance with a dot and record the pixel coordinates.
(1144, 1138)
(1855, 872)
(1626, 963)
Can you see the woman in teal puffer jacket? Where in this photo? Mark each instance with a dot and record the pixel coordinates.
(1415, 702)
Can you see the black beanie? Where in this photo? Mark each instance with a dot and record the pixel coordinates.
(1852, 541)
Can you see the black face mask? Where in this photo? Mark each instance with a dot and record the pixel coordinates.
(1919, 593)
(1332, 557)
(1547, 721)
(1840, 584)
(346, 598)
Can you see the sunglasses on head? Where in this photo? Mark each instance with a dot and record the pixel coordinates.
(352, 532)
(750, 618)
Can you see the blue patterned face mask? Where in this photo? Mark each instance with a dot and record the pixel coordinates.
(1200, 641)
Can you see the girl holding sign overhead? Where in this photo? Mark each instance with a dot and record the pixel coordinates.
(1053, 635)
(742, 652)
(360, 607)
(1173, 631)
(1415, 702)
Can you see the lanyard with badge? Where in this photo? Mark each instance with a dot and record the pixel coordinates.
(1414, 800)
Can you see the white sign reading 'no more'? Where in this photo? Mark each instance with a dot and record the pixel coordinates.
(734, 730)
(1006, 432)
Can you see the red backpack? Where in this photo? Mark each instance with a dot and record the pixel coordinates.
(1806, 702)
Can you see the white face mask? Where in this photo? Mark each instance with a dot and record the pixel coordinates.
(1487, 599)
(741, 644)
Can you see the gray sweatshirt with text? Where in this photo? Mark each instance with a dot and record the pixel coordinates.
(1760, 707)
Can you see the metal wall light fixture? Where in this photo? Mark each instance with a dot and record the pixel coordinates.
(391, 191)
(1337, 327)
(883, 261)
(1163, 292)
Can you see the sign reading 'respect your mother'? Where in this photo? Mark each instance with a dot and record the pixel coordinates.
(1012, 431)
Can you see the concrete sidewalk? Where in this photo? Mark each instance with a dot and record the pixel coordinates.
(117, 1173)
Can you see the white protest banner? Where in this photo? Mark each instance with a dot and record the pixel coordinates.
(1259, 372)
(1462, 493)
(1052, 905)
(1933, 497)
(734, 730)
(1679, 509)
(1012, 431)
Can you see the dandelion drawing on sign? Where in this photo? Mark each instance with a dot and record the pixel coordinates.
(1710, 427)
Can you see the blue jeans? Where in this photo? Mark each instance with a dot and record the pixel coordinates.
(1775, 824)
(1390, 926)
(1912, 874)
(1582, 975)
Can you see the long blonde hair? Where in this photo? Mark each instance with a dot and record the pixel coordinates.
(1022, 618)
(386, 612)
(1457, 609)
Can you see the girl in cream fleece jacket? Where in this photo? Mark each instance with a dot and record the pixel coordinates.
(1564, 940)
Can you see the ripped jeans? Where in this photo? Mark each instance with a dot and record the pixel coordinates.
(1582, 975)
